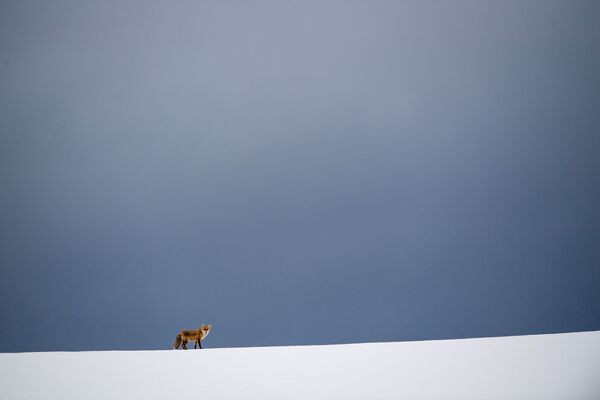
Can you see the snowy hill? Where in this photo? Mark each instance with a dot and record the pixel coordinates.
(557, 366)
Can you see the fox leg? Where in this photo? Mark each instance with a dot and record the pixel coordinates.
(199, 343)
(195, 344)
(184, 345)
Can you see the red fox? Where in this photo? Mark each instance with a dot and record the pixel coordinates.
(195, 334)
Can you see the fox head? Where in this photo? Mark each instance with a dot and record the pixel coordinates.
(205, 330)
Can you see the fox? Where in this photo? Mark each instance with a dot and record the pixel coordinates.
(194, 334)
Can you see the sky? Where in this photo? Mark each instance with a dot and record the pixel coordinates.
(297, 172)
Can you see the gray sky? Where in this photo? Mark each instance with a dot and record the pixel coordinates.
(297, 172)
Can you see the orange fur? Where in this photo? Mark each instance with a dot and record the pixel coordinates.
(197, 335)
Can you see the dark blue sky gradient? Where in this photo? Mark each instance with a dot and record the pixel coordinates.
(297, 172)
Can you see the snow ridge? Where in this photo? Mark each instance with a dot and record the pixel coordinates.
(555, 366)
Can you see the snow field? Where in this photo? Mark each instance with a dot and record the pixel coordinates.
(556, 366)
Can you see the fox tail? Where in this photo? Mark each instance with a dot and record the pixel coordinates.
(177, 341)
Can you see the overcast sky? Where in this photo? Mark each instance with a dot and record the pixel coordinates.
(297, 172)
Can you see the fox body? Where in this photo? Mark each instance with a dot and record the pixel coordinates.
(195, 334)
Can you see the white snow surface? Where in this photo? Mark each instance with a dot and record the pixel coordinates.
(554, 366)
